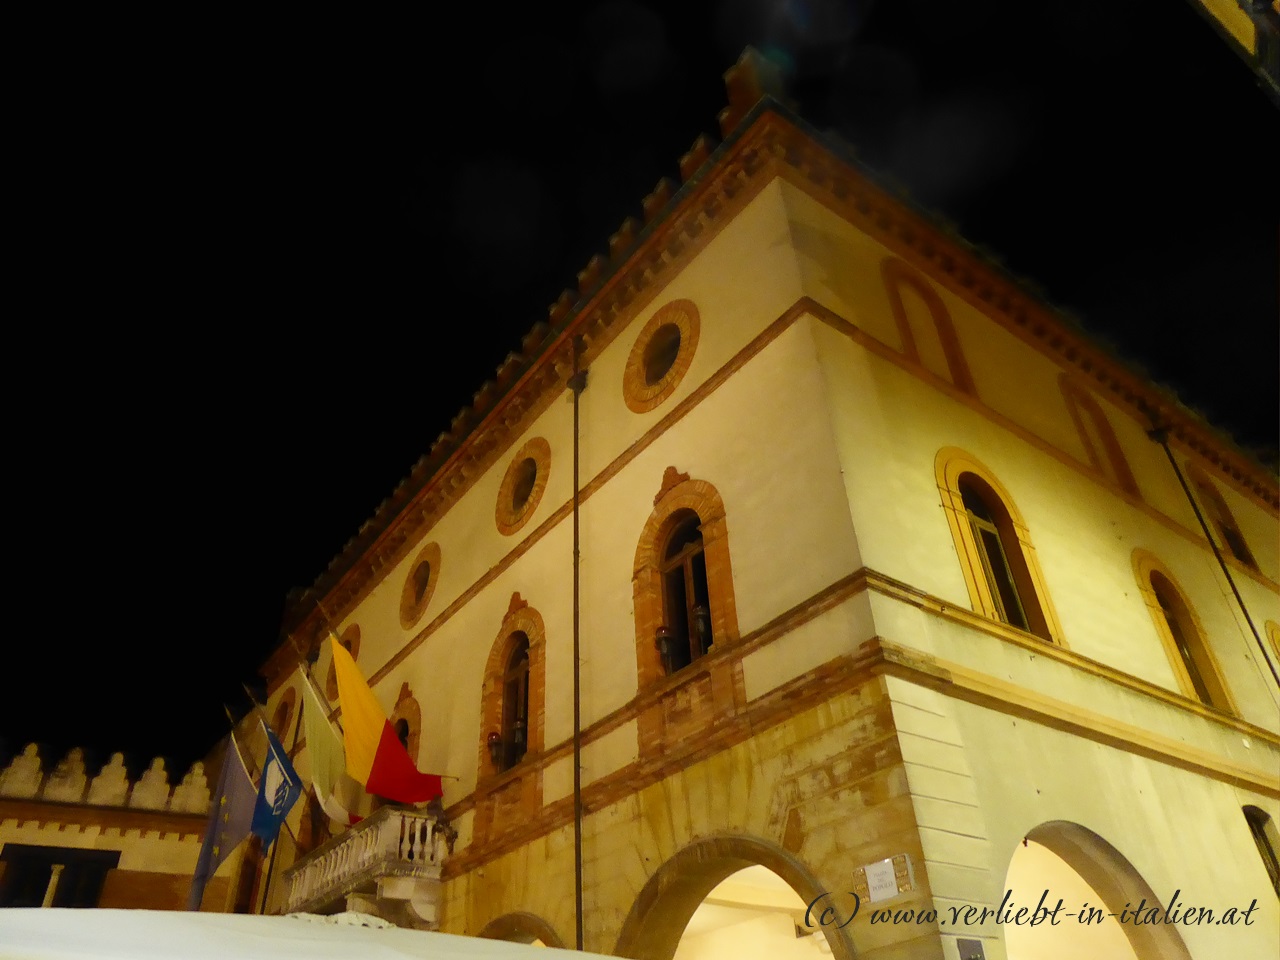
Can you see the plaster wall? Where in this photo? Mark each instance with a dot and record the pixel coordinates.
(1021, 774)
(1014, 379)
(890, 427)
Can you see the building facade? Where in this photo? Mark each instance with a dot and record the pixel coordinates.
(883, 580)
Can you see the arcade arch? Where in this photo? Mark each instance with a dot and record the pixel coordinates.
(1075, 864)
(689, 907)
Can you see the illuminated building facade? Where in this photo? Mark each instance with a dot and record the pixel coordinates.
(882, 581)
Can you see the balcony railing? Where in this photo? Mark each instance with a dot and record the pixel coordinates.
(393, 857)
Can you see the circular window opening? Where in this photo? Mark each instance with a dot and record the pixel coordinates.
(523, 485)
(421, 581)
(661, 356)
(419, 585)
(660, 353)
(526, 475)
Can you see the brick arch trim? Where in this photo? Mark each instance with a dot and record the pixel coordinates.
(284, 713)
(678, 494)
(662, 909)
(950, 465)
(897, 274)
(520, 618)
(349, 638)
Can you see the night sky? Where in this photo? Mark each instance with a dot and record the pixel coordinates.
(257, 266)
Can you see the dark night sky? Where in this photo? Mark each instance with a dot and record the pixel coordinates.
(257, 267)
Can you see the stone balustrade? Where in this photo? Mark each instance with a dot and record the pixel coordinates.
(25, 778)
(388, 864)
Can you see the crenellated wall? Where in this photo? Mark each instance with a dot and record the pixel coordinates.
(141, 835)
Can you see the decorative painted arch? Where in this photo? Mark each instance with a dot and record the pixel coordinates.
(1147, 566)
(522, 928)
(664, 905)
(1114, 879)
(677, 497)
(897, 274)
(950, 466)
(1099, 439)
(1230, 537)
(521, 621)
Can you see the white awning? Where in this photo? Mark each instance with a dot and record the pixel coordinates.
(66, 934)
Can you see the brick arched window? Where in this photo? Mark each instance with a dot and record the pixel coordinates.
(350, 639)
(512, 699)
(996, 555)
(1100, 444)
(406, 721)
(683, 581)
(1220, 517)
(514, 731)
(284, 714)
(933, 343)
(1179, 630)
(686, 632)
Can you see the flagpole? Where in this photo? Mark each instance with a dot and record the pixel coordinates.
(275, 847)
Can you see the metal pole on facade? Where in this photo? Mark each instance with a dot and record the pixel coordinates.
(577, 383)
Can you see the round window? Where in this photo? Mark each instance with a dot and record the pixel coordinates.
(523, 485)
(419, 585)
(661, 356)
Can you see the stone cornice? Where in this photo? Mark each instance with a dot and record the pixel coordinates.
(768, 143)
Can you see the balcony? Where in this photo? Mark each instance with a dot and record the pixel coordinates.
(387, 865)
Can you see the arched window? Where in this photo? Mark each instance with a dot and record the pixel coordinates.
(406, 720)
(514, 690)
(284, 713)
(1179, 631)
(350, 639)
(994, 547)
(515, 703)
(990, 526)
(1220, 517)
(1100, 444)
(1263, 831)
(686, 631)
(928, 336)
(683, 584)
